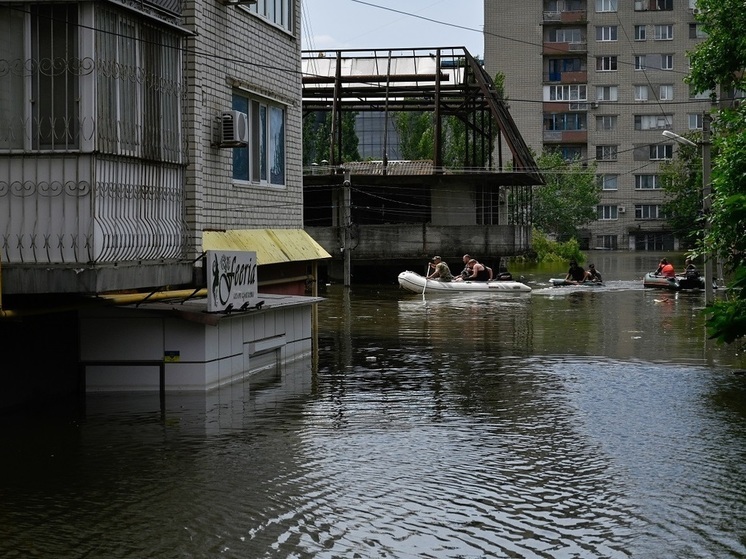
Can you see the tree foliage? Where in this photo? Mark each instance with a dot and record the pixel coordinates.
(682, 183)
(568, 200)
(317, 129)
(719, 61)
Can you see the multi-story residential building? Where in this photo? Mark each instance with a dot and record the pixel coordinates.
(133, 137)
(600, 80)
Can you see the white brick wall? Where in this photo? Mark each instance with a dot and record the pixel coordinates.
(232, 46)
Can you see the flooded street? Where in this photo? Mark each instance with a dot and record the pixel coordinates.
(565, 423)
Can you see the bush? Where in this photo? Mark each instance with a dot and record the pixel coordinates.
(547, 250)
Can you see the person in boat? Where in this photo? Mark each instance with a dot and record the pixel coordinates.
(691, 270)
(576, 274)
(665, 269)
(503, 274)
(593, 274)
(466, 272)
(479, 272)
(441, 271)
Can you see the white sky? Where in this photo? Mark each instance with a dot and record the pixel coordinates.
(359, 24)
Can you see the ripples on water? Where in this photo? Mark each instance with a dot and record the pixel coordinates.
(559, 424)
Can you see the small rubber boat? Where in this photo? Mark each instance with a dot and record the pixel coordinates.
(677, 283)
(412, 281)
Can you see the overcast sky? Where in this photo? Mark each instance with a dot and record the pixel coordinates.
(369, 24)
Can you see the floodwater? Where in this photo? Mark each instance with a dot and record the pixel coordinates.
(566, 423)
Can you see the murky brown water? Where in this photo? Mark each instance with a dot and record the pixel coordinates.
(589, 422)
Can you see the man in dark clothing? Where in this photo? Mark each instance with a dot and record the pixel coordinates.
(576, 274)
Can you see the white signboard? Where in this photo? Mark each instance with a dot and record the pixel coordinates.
(231, 280)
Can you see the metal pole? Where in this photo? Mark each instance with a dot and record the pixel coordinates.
(707, 203)
(347, 195)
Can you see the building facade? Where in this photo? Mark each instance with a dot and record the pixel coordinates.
(600, 80)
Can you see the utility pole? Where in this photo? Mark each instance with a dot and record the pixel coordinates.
(347, 225)
(707, 202)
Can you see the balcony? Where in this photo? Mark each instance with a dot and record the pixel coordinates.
(565, 17)
(550, 49)
(566, 77)
(566, 136)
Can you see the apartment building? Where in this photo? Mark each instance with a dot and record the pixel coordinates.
(600, 80)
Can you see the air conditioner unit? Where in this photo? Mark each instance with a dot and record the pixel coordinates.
(695, 11)
(234, 129)
(621, 209)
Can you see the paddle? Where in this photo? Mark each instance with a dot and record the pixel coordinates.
(427, 269)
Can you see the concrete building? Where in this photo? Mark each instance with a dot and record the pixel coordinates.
(600, 80)
(135, 136)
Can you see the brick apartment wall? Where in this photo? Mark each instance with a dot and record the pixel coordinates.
(233, 46)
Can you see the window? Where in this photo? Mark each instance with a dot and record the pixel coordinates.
(45, 45)
(641, 92)
(606, 5)
(565, 93)
(665, 92)
(606, 33)
(570, 153)
(661, 151)
(608, 182)
(696, 31)
(606, 153)
(652, 122)
(695, 121)
(640, 32)
(565, 35)
(640, 62)
(647, 182)
(606, 93)
(565, 121)
(606, 63)
(606, 122)
(279, 12)
(263, 160)
(607, 242)
(556, 67)
(662, 5)
(666, 61)
(706, 94)
(607, 212)
(663, 32)
(649, 211)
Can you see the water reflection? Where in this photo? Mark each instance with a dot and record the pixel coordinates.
(566, 423)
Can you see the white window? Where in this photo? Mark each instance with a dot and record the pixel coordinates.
(647, 182)
(606, 153)
(706, 94)
(263, 160)
(652, 122)
(640, 32)
(641, 92)
(606, 5)
(666, 61)
(566, 35)
(640, 62)
(697, 31)
(606, 33)
(279, 12)
(665, 92)
(663, 32)
(661, 151)
(565, 93)
(607, 212)
(649, 211)
(606, 64)
(606, 93)
(695, 121)
(606, 122)
(608, 182)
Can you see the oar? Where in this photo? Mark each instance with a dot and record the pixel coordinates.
(427, 269)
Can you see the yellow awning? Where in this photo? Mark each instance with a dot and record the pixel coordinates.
(272, 246)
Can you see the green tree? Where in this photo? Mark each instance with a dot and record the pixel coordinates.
(682, 183)
(718, 62)
(568, 200)
(416, 135)
(317, 134)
